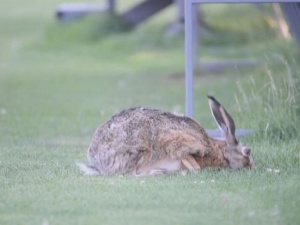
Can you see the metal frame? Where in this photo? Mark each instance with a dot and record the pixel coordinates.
(191, 32)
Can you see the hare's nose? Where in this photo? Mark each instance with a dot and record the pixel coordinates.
(252, 163)
(252, 167)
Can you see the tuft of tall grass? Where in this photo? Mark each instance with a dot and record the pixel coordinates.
(272, 103)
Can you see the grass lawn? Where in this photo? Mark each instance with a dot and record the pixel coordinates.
(58, 82)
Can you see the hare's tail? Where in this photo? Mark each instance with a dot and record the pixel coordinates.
(88, 169)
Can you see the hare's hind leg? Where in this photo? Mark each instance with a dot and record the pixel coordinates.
(190, 164)
(152, 172)
(160, 167)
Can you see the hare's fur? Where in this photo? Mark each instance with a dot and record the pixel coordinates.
(144, 141)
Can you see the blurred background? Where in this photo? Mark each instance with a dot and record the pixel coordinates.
(61, 75)
(93, 65)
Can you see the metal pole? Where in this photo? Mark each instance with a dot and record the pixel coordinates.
(189, 89)
(292, 13)
(111, 6)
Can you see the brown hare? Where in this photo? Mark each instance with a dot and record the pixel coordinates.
(143, 141)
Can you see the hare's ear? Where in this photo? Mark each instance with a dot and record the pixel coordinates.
(223, 120)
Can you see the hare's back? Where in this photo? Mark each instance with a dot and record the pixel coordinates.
(140, 124)
(158, 119)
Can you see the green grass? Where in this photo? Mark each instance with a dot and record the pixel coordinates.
(58, 82)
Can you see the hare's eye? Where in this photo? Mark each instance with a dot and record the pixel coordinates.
(246, 151)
